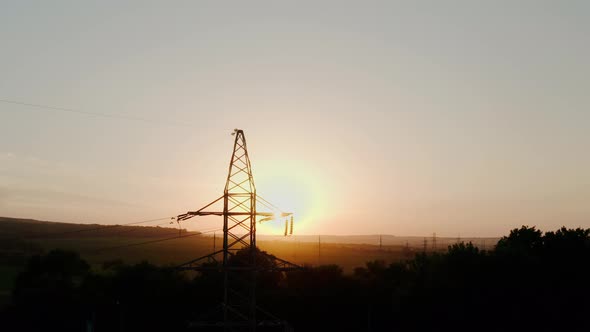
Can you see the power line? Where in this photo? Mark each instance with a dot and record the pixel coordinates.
(95, 114)
(130, 224)
(157, 240)
(135, 229)
(110, 226)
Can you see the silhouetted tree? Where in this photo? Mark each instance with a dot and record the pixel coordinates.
(45, 292)
(530, 281)
(524, 240)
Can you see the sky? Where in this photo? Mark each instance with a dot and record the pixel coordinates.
(464, 118)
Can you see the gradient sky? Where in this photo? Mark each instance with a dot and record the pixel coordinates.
(456, 117)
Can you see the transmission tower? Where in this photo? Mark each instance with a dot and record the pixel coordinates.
(434, 241)
(240, 216)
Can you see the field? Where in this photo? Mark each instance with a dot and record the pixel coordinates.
(474, 283)
(100, 245)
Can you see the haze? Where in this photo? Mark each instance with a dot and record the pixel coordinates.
(408, 118)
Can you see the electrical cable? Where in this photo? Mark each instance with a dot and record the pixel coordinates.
(95, 114)
(107, 227)
(156, 241)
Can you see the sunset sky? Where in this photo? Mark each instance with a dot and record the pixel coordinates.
(456, 117)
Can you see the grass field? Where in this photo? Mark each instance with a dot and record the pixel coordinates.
(133, 244)
(178, 251)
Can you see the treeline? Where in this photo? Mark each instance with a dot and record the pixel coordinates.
(529, 282)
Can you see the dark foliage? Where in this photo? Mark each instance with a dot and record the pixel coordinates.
(530, 282)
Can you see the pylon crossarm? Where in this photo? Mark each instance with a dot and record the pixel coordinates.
(259, 214)
(265, 214)
(200, 212)
(272, 207)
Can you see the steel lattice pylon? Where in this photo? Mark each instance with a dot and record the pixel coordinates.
(240, 216)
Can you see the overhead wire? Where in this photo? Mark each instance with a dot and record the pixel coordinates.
(135, 229)
(268, 204)
(157, 240)
(103, 227)
(179, 236)
(95, 114)
(128, 118)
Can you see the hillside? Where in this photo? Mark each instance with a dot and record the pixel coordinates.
(37, 229)
(106, 244)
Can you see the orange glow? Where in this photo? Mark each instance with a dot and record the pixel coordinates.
(293, 187)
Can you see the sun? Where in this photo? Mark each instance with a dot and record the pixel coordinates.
(291, 187)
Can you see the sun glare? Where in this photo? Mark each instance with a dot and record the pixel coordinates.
(293, 188)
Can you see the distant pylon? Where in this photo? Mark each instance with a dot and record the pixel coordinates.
(319, 249)
(434, 241)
